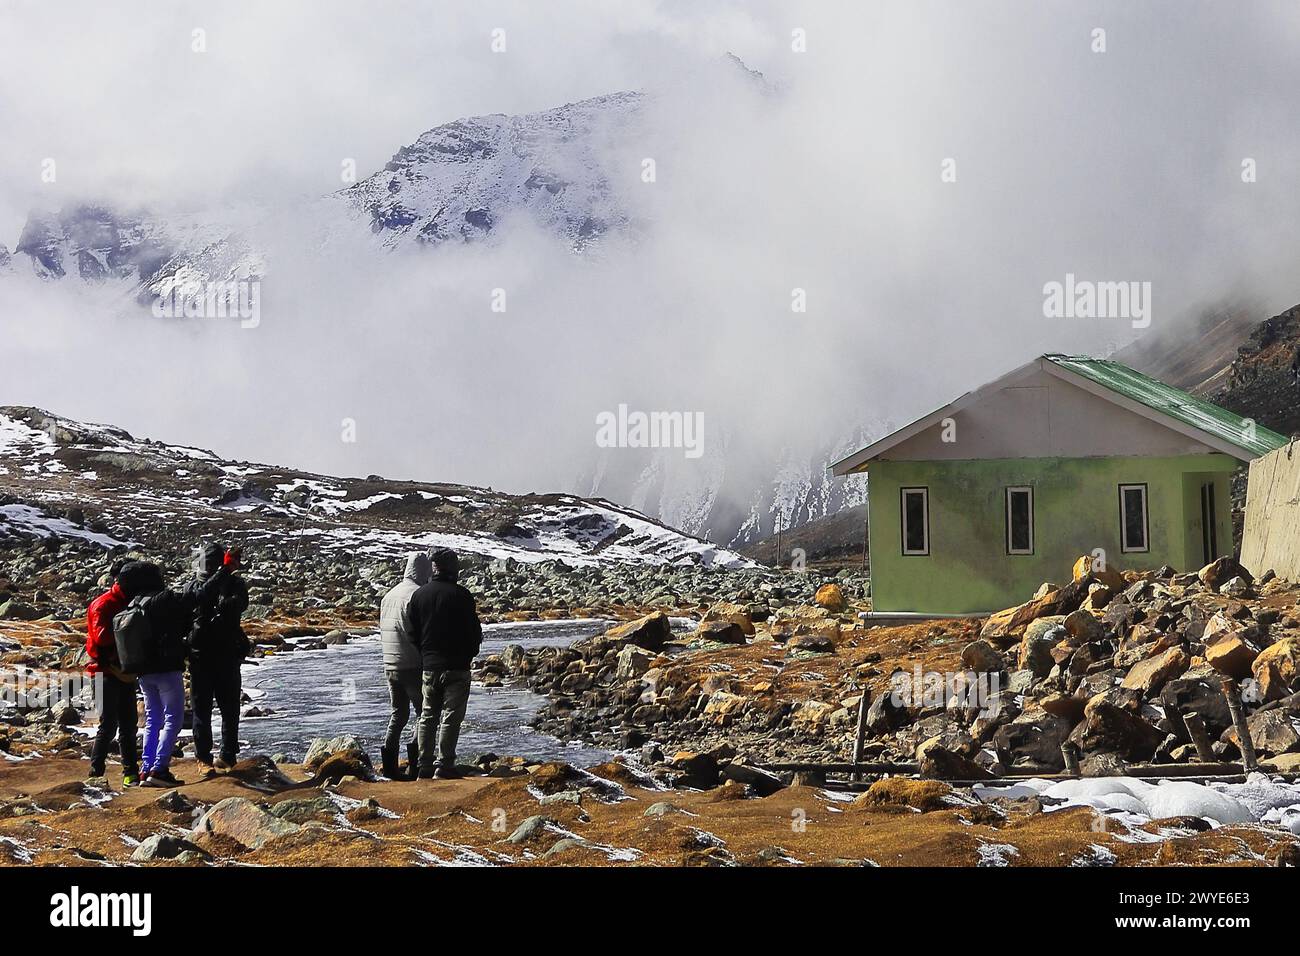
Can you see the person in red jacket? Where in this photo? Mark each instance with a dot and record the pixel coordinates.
(117, 699)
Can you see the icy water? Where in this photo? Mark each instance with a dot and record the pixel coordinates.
(342, 690)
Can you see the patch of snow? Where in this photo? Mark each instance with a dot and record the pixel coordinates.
(996, 854)
(1097, 855)
(33, 521)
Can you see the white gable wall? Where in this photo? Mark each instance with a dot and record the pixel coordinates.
(1041, 416)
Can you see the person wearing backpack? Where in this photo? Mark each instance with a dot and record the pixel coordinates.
(116, 687)
(217, 649)
(403, 664)
(151, 632)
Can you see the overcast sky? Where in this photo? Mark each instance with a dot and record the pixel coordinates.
(1117, 165)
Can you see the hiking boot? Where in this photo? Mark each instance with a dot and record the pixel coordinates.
(426, 773)
(96, 773)
(222, 764)
(163, 779)
(448, 773)
(204, 761)
(388, 763)
(130, 778)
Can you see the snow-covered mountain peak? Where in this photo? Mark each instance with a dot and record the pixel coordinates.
(459, 180)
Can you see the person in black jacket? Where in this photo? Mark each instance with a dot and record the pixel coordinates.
(444, 621)
(170, 616)
(217, 649)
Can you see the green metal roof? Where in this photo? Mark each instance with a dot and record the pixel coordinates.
(1174, 402)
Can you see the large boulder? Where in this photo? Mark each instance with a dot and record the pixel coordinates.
(947, 757)
(1200, 694)
(165, 846)
(1111, 723)
(1150, 675)
(1085, 569)
(698, 770)
(1084, 627)
(1277, 669)
(650, 632)
(982, 657)
(633, 662)
(243, 821)
(1032, 742)
(830, 597)
(1006, 627)
(1227, 648)
(1272, 731)
(321, 749)
(1040, 637)
(720, 632)
(735, 613)
(886, 713)
(1217, 573)
(724, 707)
(761, 782)
(811, 716)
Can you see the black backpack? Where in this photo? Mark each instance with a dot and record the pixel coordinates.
(133, 635)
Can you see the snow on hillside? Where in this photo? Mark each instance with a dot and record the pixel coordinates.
(101, 484)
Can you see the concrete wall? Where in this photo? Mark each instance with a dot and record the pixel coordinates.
(1076, 510)
(1271, 534)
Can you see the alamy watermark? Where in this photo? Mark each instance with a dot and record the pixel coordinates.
(961, 690)
(39, 690)
(1085, 299)
(632, 429)
(237, 299)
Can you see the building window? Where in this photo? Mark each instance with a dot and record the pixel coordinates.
(1133, 518)
(916, 520)
(1020, 520)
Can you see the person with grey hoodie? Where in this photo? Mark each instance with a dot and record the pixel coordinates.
(403, 663)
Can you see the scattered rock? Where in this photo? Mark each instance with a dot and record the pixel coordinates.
(830, 597)
(1277, 668)
(1150, 675)
(164, 846)
(243, 821)
(650, 632)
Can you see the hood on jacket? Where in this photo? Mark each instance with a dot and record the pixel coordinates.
(446, 564)
(139, 577)
(209, 560)
(419, 569)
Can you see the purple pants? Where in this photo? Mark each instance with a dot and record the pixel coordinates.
(164, 709)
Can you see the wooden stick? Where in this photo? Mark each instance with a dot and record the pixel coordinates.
(1071, 754)
(1233, 693)
(1200, 736)
(861, 738)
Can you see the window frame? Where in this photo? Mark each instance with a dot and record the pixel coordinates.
(1006, 502)
(924, 491)
(1123, 519)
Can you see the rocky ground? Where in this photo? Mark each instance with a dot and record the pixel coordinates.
(552, 814)
(1109, 666)
(1114, 666)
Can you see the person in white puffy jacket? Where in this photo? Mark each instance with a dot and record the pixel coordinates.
(402, 662)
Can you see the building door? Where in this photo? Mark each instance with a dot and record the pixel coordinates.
(1209, 523)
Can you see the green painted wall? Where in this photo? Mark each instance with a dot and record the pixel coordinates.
(1076, 510)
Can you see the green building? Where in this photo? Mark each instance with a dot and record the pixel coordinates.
(975, 505)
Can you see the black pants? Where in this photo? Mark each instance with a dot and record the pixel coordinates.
(219, 682)
(117, 718)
